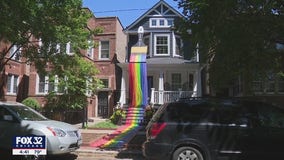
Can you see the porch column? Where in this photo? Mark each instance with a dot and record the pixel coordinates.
(161, 88)
(122, 99)
(152, 101)
(197, 84)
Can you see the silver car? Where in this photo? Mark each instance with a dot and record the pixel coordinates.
(17, 119)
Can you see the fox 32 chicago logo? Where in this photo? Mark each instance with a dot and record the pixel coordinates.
(29, 145)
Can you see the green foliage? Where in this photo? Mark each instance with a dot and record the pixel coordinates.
(104, 125)
(33, 103)
(149, 112)
(236, 37)
(54, 23)
(117, 116)
(75, 83)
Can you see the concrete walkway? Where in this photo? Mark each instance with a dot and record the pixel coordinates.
(91, 135)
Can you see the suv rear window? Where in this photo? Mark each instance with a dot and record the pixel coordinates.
(184, 112)
(202, 111)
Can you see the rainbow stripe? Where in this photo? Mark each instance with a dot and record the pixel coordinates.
(138, 89)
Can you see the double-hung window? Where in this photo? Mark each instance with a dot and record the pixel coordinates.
(162, 45)
(12, 84)
(104, 50)
(15, 52)
(105, 83)
(69, 49)
(176, 81)
(46, 85)
(90, 49)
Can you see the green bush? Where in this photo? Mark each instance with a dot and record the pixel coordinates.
(33, 103)
(117, 116)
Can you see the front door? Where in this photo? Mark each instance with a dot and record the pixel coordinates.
(103, 104)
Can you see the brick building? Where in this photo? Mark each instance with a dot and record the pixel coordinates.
(22, 80)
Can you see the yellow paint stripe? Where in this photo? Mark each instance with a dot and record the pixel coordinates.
(139, 49)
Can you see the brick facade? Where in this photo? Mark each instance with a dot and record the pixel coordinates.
(113, 33)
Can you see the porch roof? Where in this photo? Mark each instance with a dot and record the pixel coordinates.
(168, 60)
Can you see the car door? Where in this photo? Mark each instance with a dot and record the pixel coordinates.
(233, 130)
(9, 127)
(272, 118)
(255, 140)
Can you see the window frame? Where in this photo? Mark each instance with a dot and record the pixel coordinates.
(161, 22)
(101, 49)
(90, 49)
(69, 49)
(176, 85)
(15, 52)
(48, 86)
(156, 36)
(103, 80)
(12, 86)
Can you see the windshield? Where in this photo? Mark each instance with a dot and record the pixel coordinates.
(26, 113)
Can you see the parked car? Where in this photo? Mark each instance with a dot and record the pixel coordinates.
(213, 129)
(17, 119)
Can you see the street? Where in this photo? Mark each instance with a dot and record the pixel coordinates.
(86, 153)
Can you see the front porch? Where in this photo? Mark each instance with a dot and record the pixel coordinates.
(166, 82)
(161, 97)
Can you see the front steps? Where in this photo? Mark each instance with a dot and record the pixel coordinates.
(134, 115)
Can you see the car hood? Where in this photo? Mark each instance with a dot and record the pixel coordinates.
(50, 123)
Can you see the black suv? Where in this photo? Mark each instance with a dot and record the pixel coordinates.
(215, 129)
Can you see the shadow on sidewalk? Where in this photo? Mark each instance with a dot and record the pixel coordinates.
(133, 150)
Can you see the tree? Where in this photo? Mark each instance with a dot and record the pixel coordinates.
(41, 29)
(74, 84)
(237, 38)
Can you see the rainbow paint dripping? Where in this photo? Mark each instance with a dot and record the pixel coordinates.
(138, 89)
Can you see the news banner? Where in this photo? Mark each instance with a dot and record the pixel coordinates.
(29, 145)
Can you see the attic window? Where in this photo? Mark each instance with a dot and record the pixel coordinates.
(161, 22)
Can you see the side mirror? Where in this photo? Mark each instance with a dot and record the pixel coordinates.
(8, 118)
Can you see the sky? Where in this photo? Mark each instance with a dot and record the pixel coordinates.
(126, 10)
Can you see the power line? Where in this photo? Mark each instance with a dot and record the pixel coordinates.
(122, 10)
(127, 10)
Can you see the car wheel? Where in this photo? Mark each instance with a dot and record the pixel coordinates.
(187, 153)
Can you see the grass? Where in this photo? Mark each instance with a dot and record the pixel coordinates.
(104, 125)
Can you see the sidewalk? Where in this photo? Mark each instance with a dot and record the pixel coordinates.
(91, 135)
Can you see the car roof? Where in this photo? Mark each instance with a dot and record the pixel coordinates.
(10, 103)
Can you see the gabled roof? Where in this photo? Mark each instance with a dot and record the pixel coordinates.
(160, 8)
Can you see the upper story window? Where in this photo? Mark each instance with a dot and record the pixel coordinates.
(161, 22)
(178, 46)
(15, 52)
(105, 83)
(104, 50)
(69, 48)
(12, 84)
(162, 45)
(90, 49)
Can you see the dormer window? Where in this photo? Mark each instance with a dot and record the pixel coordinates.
(161, 22)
